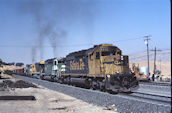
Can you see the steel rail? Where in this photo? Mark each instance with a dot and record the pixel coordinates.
(156, 83)
(145, 96)
(162, 96)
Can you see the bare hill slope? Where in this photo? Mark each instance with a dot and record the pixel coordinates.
(163, 61)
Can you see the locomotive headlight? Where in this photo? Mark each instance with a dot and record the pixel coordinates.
(108, 76)
(122, 58)
(117, 71)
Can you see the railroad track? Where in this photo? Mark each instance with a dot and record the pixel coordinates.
(124, 102)
(151, 97)
(156, 83)
(147, 96)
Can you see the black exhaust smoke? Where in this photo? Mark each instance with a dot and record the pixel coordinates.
(52, 18)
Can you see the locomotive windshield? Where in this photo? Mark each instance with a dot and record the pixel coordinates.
(55, 62)
(110, 51)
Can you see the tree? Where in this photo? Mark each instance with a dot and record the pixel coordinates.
(19, 64)
(0, 62)
(10, 63)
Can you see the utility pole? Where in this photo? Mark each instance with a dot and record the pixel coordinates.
(155, 50)
(146, 39)
(160, 64)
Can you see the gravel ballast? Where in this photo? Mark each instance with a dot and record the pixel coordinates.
(104, 99)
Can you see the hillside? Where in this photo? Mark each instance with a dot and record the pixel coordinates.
(163, 56)
(163, 61)
(164, 67)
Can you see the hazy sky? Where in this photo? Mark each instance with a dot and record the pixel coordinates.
(29, 28)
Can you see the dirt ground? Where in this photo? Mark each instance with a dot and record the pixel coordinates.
(47, 101)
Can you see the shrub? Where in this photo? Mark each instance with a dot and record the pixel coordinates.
(8, 72)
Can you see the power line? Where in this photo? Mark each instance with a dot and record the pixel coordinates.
(129, 39)
(28, 46)
(75, 45)
(139, 56)
(140, 52)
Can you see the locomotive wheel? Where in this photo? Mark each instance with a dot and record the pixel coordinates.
(102, 89)
(68, 80)
(60, 81)
(112, 92)
(42, 78)
(125, 82)
(52, 78)
(93, 85)
(102, 86)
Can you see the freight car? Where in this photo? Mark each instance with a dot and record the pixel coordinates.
(52, 69)
(101, 67)
(20, 71)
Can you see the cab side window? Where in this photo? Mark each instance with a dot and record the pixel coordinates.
(55, 62)
(97, 55)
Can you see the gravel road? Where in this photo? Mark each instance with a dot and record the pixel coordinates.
(123, 104)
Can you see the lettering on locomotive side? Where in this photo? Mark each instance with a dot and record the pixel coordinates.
(77, 65)
(82, 65)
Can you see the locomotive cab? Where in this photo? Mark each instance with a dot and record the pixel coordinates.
(52, 69)
(108, 61)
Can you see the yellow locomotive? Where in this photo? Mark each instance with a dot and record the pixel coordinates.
(37, 68)
(101, 67)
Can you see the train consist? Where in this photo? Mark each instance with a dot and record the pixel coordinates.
(101, 67)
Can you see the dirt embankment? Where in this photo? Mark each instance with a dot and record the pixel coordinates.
(10, 68)
(45, 100)
(7, 67)
(16, 84)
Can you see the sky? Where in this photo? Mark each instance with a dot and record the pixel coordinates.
(35, 30)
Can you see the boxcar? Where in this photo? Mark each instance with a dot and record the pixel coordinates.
(20, 71)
